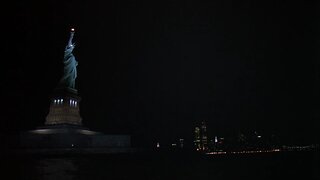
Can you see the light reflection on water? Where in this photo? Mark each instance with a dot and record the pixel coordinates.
(56, 169)
(166, 166)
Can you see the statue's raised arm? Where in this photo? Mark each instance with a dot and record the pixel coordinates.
(71, 37)
(70, 65)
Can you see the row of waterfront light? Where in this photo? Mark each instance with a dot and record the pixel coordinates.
(71, 102)
(257, 151)
(245, 152)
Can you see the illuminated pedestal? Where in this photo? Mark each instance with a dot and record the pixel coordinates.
(63, 130)
(64, 108)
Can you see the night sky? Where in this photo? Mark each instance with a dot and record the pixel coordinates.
(156, 69)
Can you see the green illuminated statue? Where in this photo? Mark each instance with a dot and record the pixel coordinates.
(70, 65)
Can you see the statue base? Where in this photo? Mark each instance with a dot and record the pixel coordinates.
(63, 131)
(51, 137)
(64, 107)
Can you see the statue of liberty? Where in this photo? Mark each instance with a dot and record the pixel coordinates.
(70, 65)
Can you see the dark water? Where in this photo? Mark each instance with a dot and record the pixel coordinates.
(288, 165)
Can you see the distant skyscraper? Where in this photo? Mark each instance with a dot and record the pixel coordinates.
(197, 141)
(204, 138)
(201, 139)
(181, 143)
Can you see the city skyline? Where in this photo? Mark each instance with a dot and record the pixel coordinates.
(147, 69)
